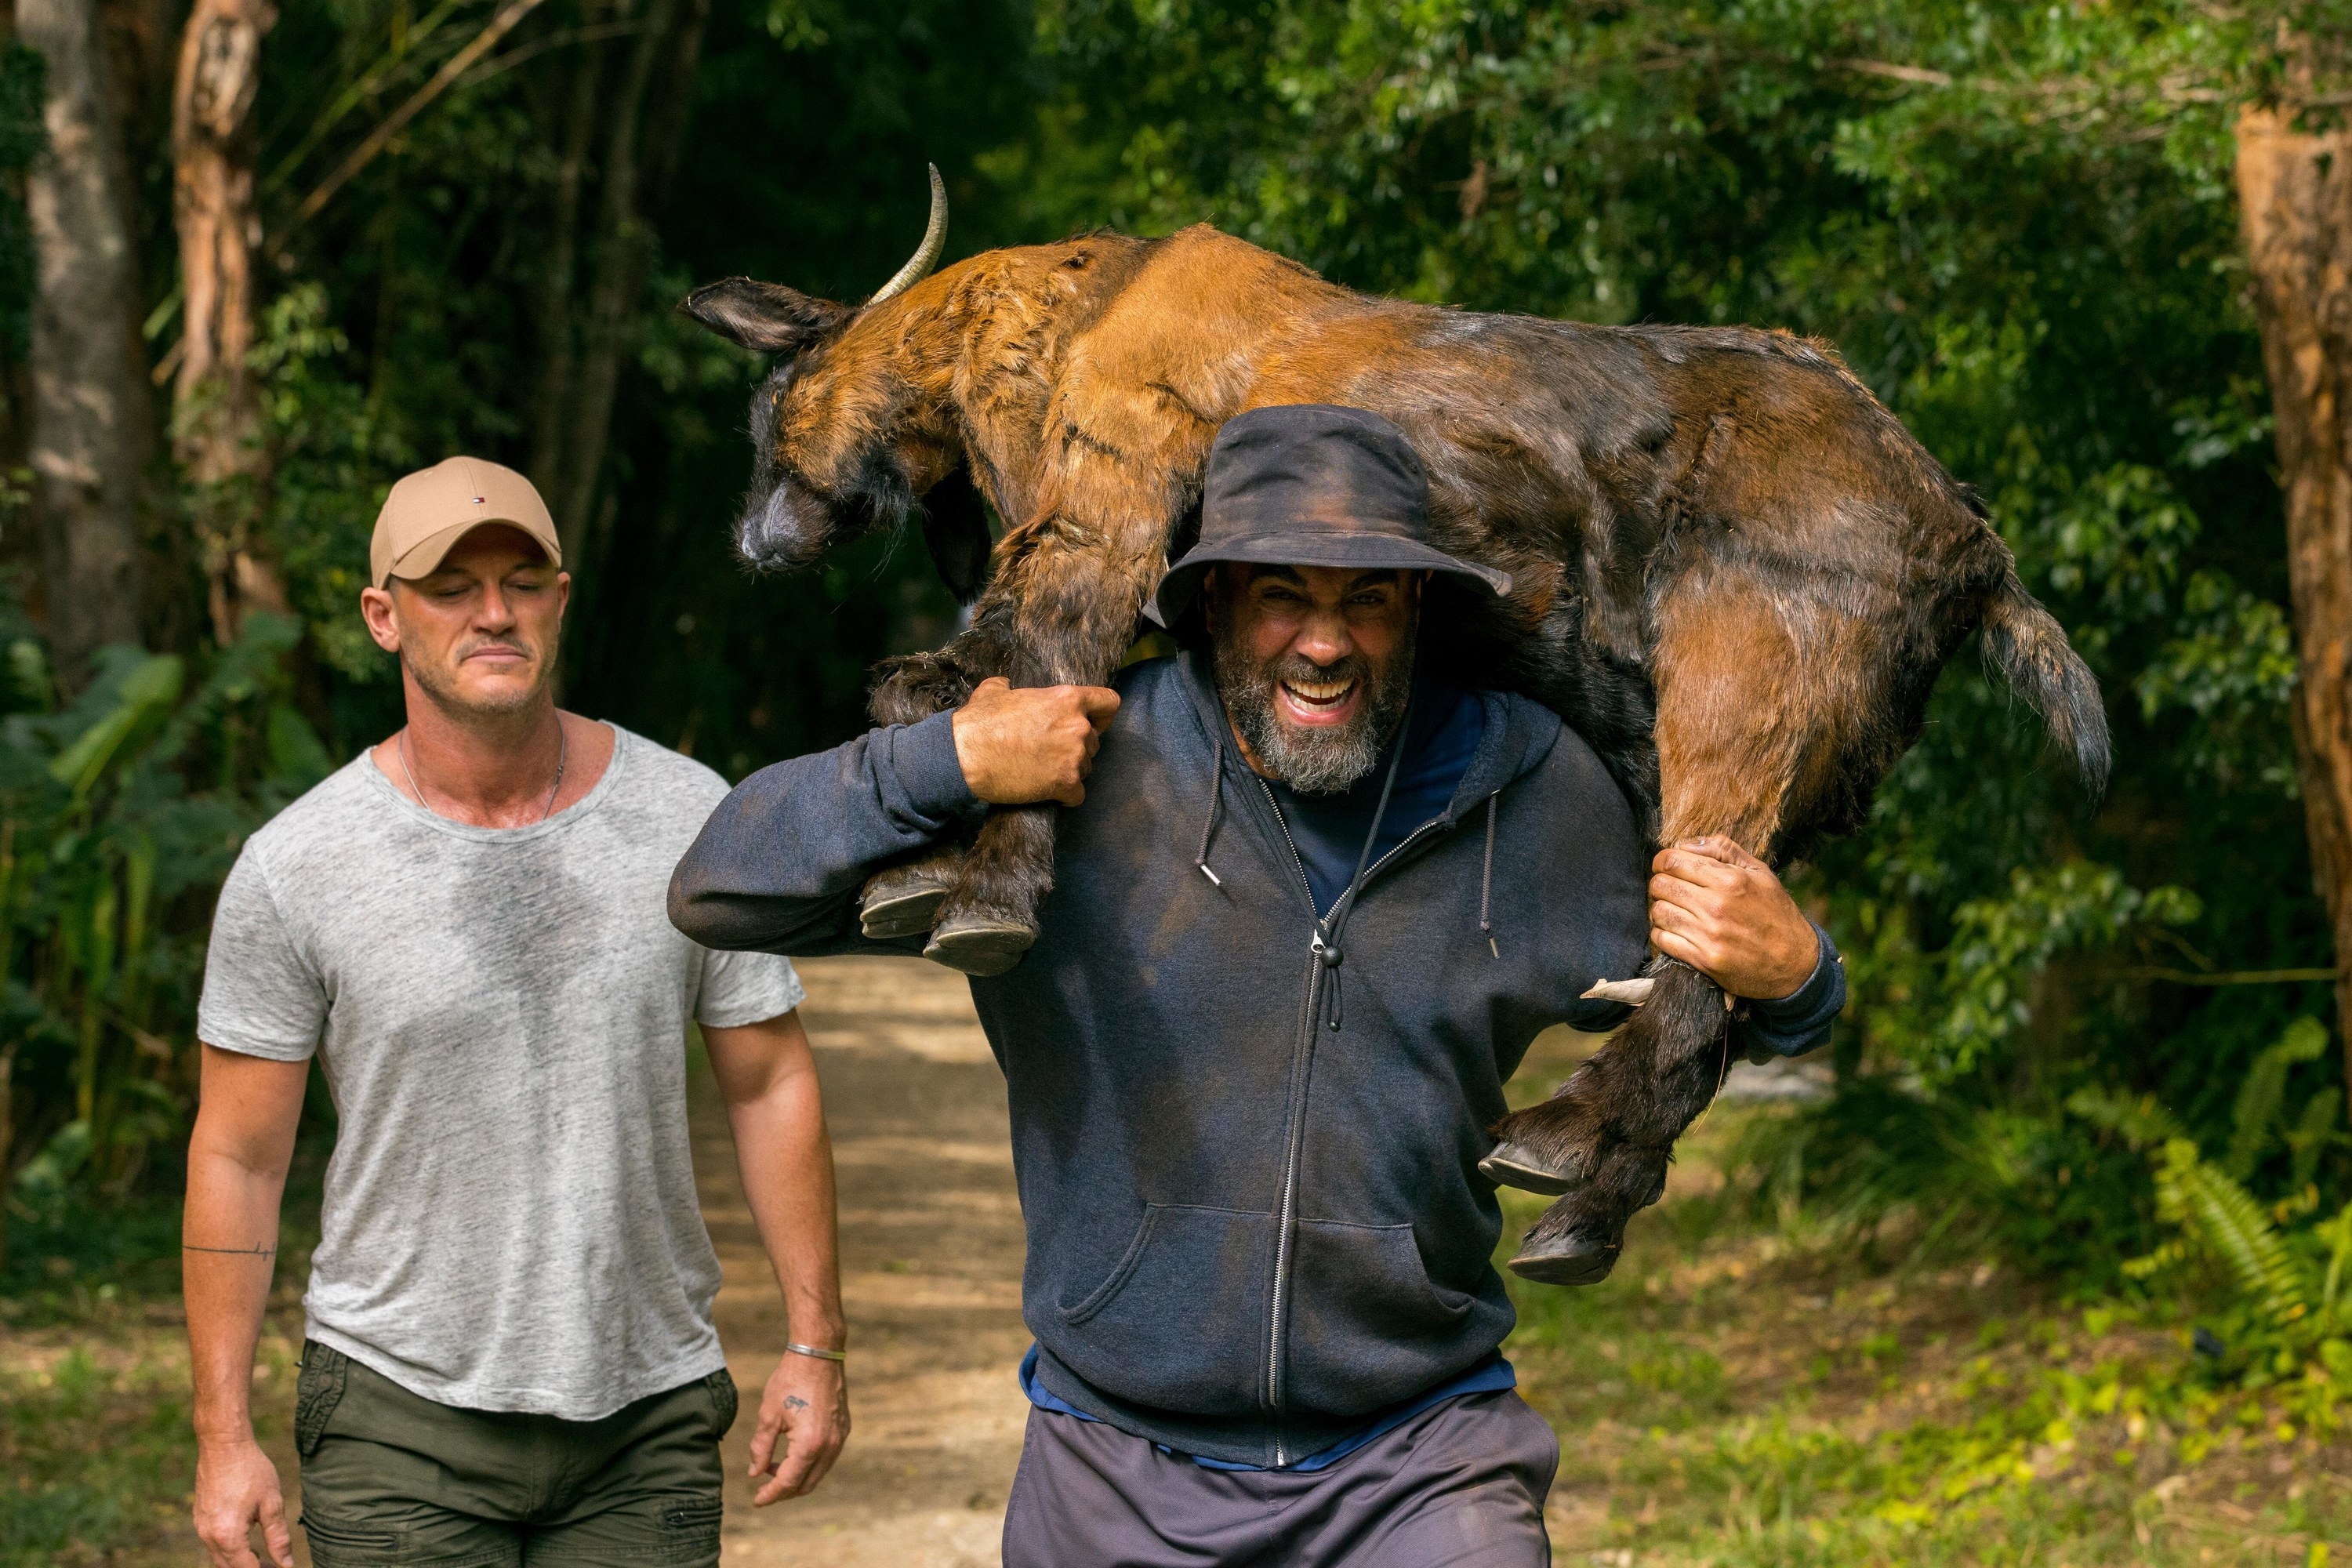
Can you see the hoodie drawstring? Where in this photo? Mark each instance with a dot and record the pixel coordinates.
(1216, 797)
(1486, 880)
(1328, 930)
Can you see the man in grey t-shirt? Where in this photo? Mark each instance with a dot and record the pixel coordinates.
(509, 1349)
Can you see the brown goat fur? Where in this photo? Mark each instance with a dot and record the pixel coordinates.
(1733, 570)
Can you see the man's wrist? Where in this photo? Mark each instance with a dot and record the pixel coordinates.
(931, 768)
(1799, 997)
(821, 1336)
(219, 1434)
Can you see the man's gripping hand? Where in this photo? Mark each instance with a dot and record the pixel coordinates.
(804, 1421)
(1722, 911)
(237, 1488)
(1021, 745)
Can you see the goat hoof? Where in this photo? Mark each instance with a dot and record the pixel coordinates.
(1514, 1165)
(903, 901)
(980, 945)
(1579, 1258)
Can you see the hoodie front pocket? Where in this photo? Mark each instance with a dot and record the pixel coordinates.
(1179, 1322)
(1368, 1326)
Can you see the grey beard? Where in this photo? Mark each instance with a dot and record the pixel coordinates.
(1314, 762)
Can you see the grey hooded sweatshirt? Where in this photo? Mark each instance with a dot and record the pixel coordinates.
(1249, 1175)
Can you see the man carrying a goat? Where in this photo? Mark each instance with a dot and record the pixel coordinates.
(1319, 896)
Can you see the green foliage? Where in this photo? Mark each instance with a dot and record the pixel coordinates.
(2263, 1093)
(333, 463)
(2281, 1284)
(2202, 1199)
(119, 815)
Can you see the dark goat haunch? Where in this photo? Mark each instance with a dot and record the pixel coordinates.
(1733, 572)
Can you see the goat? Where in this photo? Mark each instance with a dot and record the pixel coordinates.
(1733, 570)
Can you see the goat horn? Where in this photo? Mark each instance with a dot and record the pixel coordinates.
(1632, 993)
(926, 255)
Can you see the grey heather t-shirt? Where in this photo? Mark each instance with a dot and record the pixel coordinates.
(510, 1219)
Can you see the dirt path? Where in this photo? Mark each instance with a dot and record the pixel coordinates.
(931, 1251)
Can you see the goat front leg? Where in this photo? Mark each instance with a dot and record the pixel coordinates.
(1063, 602)
(904, 899)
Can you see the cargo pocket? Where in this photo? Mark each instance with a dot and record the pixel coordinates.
(690, 1528)
(1368, 1326)
(316, 1391)
(1179, 1322)
(724, 1402)
(335, 1542)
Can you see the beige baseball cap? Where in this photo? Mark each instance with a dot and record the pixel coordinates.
(429, 510)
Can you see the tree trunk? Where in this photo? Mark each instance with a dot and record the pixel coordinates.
(653, 85)
(217, 416)
(2295, 194)
(559, 339)
(93, 416)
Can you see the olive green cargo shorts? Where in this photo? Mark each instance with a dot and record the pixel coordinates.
(391, 1478)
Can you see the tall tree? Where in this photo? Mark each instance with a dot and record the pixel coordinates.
(642, 112)
(216, 420)
(92, 415)
(2295, 191)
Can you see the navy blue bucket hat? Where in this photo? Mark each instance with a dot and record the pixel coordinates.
(1307, 484)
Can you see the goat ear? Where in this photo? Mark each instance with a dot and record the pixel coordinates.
(765, 316)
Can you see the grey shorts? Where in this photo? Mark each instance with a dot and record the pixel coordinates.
(390, 1477)
(1461, 1485)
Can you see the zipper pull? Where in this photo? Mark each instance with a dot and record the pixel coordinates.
(1328, 953)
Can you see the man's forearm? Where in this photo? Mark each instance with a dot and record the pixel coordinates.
(778, 865)
(228, 1258)
(786, 1161)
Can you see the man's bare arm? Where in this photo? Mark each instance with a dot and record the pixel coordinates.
(244, 1140)
(768, 1078)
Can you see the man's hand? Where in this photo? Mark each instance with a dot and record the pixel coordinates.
(1021, 745)
(804, 1421)
(237, 1488)
(1722, 911)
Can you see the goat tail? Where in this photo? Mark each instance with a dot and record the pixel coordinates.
(2027, 645)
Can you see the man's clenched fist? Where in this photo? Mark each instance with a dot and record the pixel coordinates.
(1021, 745)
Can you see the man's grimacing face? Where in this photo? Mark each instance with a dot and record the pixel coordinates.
(1315, 664)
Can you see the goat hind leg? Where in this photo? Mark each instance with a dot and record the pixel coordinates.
(1578, 1239)
(1623, 1093)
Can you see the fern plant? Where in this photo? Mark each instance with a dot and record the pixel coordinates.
(2286, 1283)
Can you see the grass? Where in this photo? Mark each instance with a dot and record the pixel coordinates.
(96, 1457)
(95, 1448)
(1739, 1394)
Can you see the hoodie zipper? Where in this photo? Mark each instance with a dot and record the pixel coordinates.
(1301, 1059)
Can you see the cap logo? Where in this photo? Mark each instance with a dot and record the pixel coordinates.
(480, 501)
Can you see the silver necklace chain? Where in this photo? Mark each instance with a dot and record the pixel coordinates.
(563, 747)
